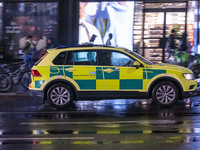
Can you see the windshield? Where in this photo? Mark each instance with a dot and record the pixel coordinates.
(139, 57)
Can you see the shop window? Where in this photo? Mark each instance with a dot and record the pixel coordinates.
(104, 19)
(191, 22)
(137, 31)
(1, 10)
(165, 5)
(23, 19)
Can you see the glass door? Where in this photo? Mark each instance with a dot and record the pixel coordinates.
(153, 32)
(158, 21)
(175, 20)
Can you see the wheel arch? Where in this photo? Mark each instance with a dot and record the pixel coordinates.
(60, 81)
(170, 79)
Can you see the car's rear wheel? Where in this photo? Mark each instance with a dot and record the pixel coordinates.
(165, 94)
(59, 95)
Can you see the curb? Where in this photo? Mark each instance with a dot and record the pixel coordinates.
(15, 96)
(7, 94)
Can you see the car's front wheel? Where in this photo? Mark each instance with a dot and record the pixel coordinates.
(165, 94)
(60, 95)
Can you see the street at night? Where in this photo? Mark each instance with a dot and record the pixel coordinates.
(99, 75)
(106, 124)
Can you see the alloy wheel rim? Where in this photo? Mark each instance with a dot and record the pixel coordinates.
(165, 94)
(60, 96)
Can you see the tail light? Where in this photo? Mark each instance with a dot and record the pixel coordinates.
(35, 73)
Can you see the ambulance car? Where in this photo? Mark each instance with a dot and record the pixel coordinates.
(95, 72)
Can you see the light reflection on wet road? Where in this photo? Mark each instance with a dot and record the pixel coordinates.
(107, 124)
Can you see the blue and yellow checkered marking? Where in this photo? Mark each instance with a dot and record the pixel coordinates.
(67, 73)
(112, 75)
(93, 78)
(99, 73)
(86, 84)
(131, 84)
(39, 83)
(153, 72)
(56, 70)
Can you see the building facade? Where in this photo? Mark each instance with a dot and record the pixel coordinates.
(142, 26)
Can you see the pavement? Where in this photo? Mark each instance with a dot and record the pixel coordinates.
(25, 95)
(17, 91)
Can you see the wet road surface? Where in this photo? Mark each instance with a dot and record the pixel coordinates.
(107, 124)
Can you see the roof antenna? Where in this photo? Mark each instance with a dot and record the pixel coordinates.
(91, 42)
(93, 38)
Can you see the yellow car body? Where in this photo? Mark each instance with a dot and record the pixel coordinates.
(85, 71)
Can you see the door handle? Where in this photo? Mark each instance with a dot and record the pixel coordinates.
(108, 70)
(70, 69)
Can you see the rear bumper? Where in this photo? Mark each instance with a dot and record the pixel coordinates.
(38, 95)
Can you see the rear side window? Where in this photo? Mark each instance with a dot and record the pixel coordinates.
(60, 59)
(82, 58)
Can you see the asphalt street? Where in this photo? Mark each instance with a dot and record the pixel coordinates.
(28, 124)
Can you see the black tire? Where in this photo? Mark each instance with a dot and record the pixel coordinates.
(5, 82)
(60, 95)
(26, 79)
(165, 94)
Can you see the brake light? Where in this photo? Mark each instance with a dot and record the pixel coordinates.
(35, 73)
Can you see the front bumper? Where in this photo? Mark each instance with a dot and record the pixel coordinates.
(38, 95)
(190, 89)
(190, 94)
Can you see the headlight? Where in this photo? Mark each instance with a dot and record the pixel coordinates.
(189, 76)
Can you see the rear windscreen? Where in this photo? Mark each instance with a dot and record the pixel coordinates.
(41, 59)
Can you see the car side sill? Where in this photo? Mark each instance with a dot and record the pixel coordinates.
(97, 95)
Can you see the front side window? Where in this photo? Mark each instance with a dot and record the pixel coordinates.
(82, 58)
(139, 57)
(113, 58)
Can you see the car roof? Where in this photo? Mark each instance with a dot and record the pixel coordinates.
(88, 46)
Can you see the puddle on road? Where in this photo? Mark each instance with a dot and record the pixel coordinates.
(158, 140)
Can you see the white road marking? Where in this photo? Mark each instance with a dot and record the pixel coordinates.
(38, 112)
(100, 122)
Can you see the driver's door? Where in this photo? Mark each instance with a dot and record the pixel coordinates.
(119, 72)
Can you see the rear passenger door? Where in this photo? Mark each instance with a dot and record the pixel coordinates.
(82, 67)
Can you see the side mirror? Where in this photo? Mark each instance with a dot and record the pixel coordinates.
(136, 64)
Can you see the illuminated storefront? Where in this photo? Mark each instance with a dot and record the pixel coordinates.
(142, 26)
(102, 19)
(150, 26)
(24, 19)
(154, 22)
